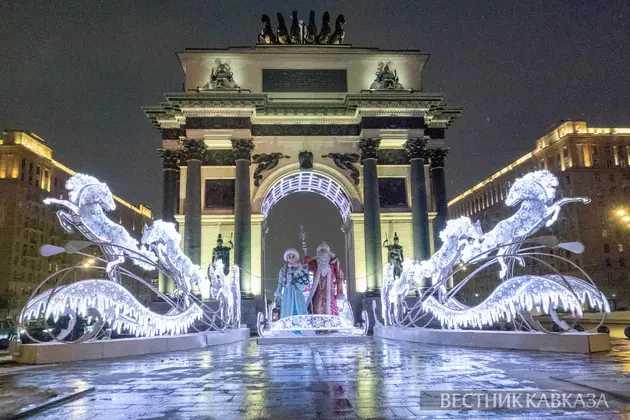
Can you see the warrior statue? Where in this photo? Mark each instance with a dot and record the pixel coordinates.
(222, 253)
(346, 161)
(266, 162)
(283, 33)
(311, 29)
(339, 34)
(266, 35)
(386, 78)
(394, 255)
(221, 77)
(293, 279)
(324, 33)
(327, 282)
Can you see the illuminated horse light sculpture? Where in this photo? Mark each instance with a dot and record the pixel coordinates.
(515, 297)
(88, 201)
(226, 290)
(107, 300)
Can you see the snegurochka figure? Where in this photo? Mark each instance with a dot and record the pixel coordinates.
(395, 255)
(222, 253)
(293, 279)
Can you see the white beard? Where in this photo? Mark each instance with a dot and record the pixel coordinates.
(323, 264)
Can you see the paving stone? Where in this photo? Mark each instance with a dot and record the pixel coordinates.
(372, 379)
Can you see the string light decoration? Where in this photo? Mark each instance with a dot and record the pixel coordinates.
(107, 299)
(464, 244)
(116, 306)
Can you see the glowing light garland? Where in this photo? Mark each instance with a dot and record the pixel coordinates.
(464, 242)
(116, 305)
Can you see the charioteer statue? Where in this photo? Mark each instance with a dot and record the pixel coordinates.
(222, 253)
(386, 78)
(395, 255)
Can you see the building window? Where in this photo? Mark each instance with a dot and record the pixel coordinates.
(604, 233)
(620, 247)
(611, 177)
(607, 262)
(616, 152)
(606, 247)
(613, 191)
(392, 192)
(568, 179)
(597, 177)
(622, 262)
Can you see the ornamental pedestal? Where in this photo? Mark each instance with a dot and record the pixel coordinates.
(372, 215)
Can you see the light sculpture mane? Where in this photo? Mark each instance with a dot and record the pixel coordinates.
(106, 301)
(516, 297)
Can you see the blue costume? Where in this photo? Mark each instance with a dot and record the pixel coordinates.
(293, 302)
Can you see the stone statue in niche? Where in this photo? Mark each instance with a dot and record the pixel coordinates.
(266, 35)
(266, 162)
(221, 77)
(346, 161)
(386, 78)
(306, 160)
(296, 28)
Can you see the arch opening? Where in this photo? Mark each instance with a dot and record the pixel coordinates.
(308, 182)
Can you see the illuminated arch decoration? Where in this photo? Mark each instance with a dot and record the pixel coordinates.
(308, 182)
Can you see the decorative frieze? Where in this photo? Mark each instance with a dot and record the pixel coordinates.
(369, 148)
(404, 123)
(218, 123)
(305, 130)
(416, 148)
(194, 150)
(172, 133)
(242, 149)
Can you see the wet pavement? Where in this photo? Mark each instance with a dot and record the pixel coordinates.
(377, 379)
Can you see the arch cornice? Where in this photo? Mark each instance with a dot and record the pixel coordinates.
(294, 168)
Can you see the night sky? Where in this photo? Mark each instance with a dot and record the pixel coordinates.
(78, 76)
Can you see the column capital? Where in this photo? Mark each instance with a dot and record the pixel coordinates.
(437, 157)
(170, 158)
(416, 148)
(194, 149)
(242, 149)
(369, 148)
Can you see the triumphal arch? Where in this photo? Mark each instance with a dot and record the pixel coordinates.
(255, 124)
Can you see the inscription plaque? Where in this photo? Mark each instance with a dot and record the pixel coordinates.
(294, 80)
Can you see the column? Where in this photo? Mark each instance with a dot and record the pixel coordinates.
(243, 213)
(372, 214)
(170, 174)
(417, 152)
(438, 186)
(194, 151)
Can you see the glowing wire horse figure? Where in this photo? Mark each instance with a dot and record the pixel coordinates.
(535, 192)
(163, 239)
(88, 201)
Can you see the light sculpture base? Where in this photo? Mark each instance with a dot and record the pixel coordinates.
(62, 352)
(568, 342)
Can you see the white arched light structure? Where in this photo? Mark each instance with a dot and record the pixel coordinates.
(308, 182)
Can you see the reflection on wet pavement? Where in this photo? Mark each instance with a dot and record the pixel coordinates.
(376, 379)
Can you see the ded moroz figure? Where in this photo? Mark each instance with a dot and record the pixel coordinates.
(292, 281)
(327, 285)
